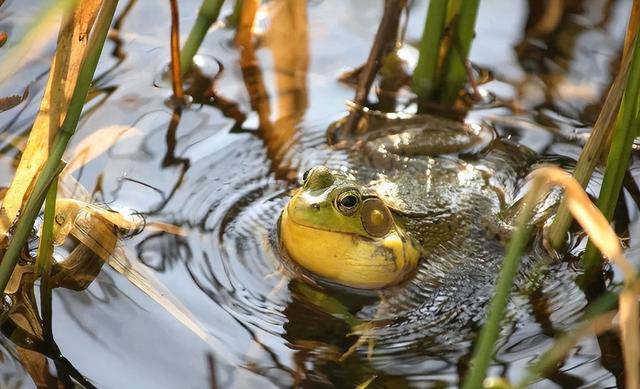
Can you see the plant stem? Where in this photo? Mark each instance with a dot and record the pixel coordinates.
(176, 74)
(207, 15)
(234, 18)
(45, 258)
(483, 350)
(383, 43)
(53, 165)
(455, 72)
(598, 142)
(618, 158)
(429, 50)
(592, 152)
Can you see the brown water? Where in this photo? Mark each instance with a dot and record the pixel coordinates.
(225, 181)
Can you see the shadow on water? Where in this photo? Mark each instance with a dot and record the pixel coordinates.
(222, 170)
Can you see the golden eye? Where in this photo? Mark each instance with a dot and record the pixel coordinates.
(348, 202)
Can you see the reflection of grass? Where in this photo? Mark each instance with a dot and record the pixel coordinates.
(597, 319)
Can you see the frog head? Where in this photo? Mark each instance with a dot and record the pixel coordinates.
(334, 229)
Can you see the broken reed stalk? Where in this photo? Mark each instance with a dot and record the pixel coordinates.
(619, 154)
(591, 153)
(207, 15)
(598, 142)
(53, 165)
(595, 225)
(176, 74)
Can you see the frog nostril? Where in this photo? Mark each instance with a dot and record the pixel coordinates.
(315, 206)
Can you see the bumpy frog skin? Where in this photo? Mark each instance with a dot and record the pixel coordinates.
(333, 229)
(420, 189)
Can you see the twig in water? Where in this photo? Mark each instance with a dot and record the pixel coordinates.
(383, 43)
(176, 73)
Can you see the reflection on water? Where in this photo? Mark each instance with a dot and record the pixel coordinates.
(222, 170)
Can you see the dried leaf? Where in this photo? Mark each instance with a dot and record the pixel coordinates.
(94, 228)
(72, 46)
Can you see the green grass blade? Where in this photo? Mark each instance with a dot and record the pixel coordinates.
(425, 72)
(619, 154)
(207, 15)
(483, 350)
(455, 73)
(45, 258)
(592, 151)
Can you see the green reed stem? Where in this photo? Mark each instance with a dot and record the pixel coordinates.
(424, 74)
(207, 15)
(455, 74)
(483, 350)
(234, 18)
(45, 250)
(53, 164)
(619, 154)
(45, 258)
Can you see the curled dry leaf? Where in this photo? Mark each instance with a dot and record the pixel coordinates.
(98, 230)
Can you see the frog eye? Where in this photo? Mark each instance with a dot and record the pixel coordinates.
(348, 202)
(375, 217)
(317, 178)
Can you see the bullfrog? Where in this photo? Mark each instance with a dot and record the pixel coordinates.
(422, 198)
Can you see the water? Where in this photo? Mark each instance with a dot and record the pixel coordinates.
(224, 182)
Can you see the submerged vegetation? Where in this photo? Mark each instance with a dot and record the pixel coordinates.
(442, 82)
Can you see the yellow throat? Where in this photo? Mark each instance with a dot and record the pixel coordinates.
(349, 259)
